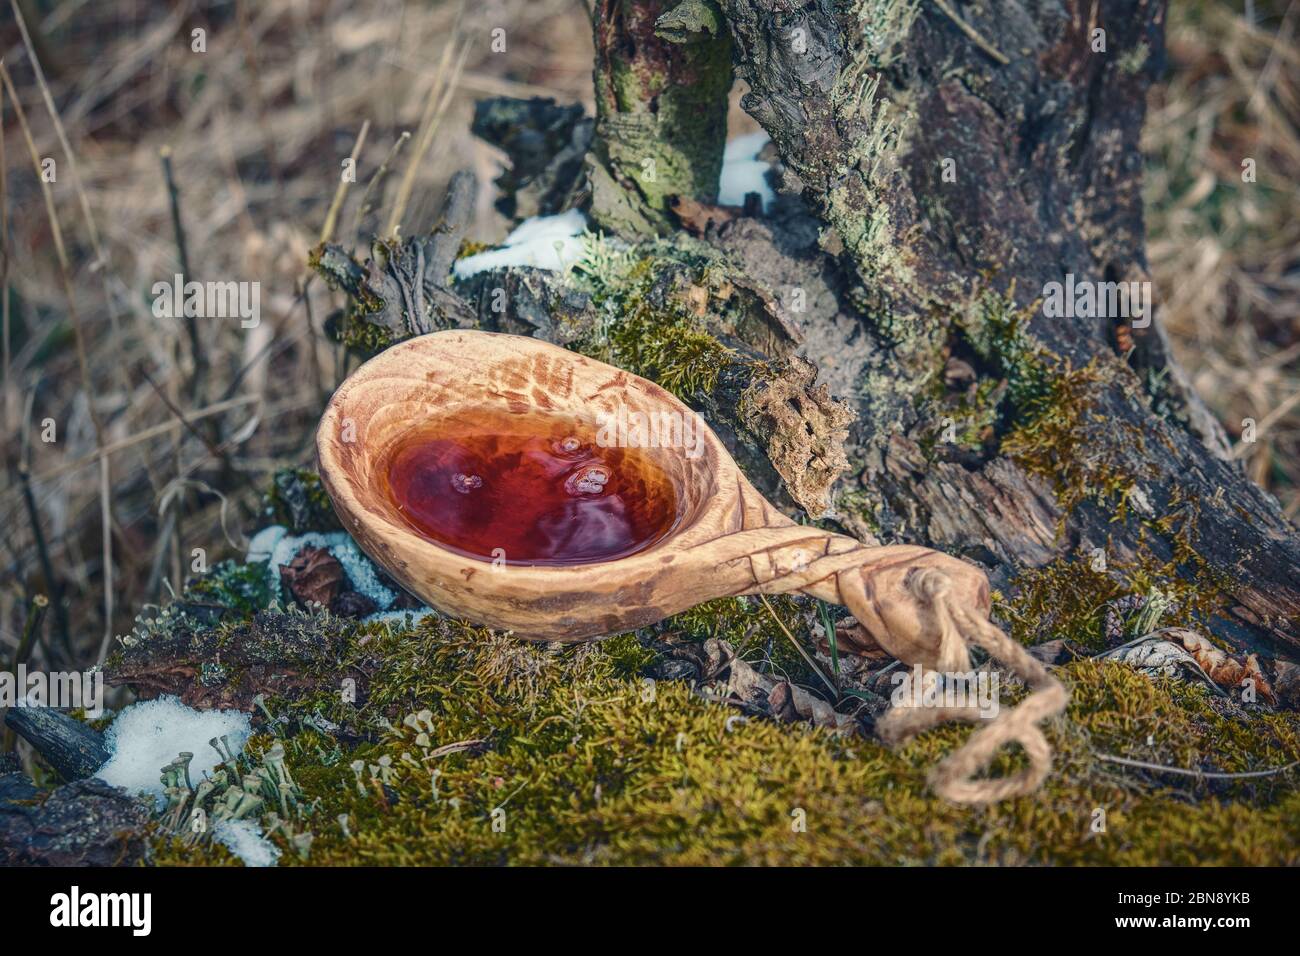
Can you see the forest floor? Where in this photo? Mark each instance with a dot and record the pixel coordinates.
(453, 744)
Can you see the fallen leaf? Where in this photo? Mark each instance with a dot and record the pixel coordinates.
(1224, 670)
(1286, 684)
(852, 638)
(1156, 657)
(783, 700)
(696, 217)
(352, 604)
(313, 575)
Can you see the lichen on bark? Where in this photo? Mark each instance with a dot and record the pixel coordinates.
(662, 76)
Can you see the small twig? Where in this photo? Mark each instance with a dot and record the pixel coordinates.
(43, 555)
(182, 253)
(208, 443)
(340, 191)
(326, 234)
(971, 32)
(1183, 772)
(828, 625)
(105, 493)
(364, 209)
(459, 747)
(59, 131)
(36, 38)
(35, 612)
(835, 695)
(440, 93)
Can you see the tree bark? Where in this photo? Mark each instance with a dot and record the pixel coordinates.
(72, 748)
(662, 75)
(990, 174)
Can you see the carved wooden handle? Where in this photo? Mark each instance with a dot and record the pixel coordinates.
(925, 607)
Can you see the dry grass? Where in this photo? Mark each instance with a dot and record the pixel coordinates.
(258, 127)
(1225, 253)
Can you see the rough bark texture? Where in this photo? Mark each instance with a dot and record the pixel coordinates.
(72, 748)
(85, 823)
(662, 75)
(1047, 183)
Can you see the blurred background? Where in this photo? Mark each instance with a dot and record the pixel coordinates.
(218, 153)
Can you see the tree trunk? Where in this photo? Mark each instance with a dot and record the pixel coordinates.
(963, 172)
(965, 165)
(662, 75)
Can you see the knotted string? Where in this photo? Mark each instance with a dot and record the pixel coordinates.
(951, 627)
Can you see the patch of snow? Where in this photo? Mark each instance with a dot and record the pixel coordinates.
(743, 172)
(148, 735)
(359, 569)
(244, 839)
(543, 242)
(745, 147)
(264, 542)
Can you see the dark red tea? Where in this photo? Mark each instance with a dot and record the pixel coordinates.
(527, 489)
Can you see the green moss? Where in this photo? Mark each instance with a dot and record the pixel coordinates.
(671, 348)
(1061, 437)
(364, 337)
(648, 328)
(628, 656)
(1066, 598)
(998, 332)
(298, 500)
(465, 746)
(234, 585)
(1069, 598)
(578, 764)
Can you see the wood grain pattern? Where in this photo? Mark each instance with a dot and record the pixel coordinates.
(729, 541)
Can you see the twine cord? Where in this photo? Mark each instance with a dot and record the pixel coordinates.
(952, 628)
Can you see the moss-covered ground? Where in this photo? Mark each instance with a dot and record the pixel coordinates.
(569, 754)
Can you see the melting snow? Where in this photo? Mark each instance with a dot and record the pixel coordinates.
(263, 544)
(543, 242)
(743, 172)
(244, 839)
(148, 735)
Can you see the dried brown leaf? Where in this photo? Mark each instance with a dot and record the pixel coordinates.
(313, 575)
